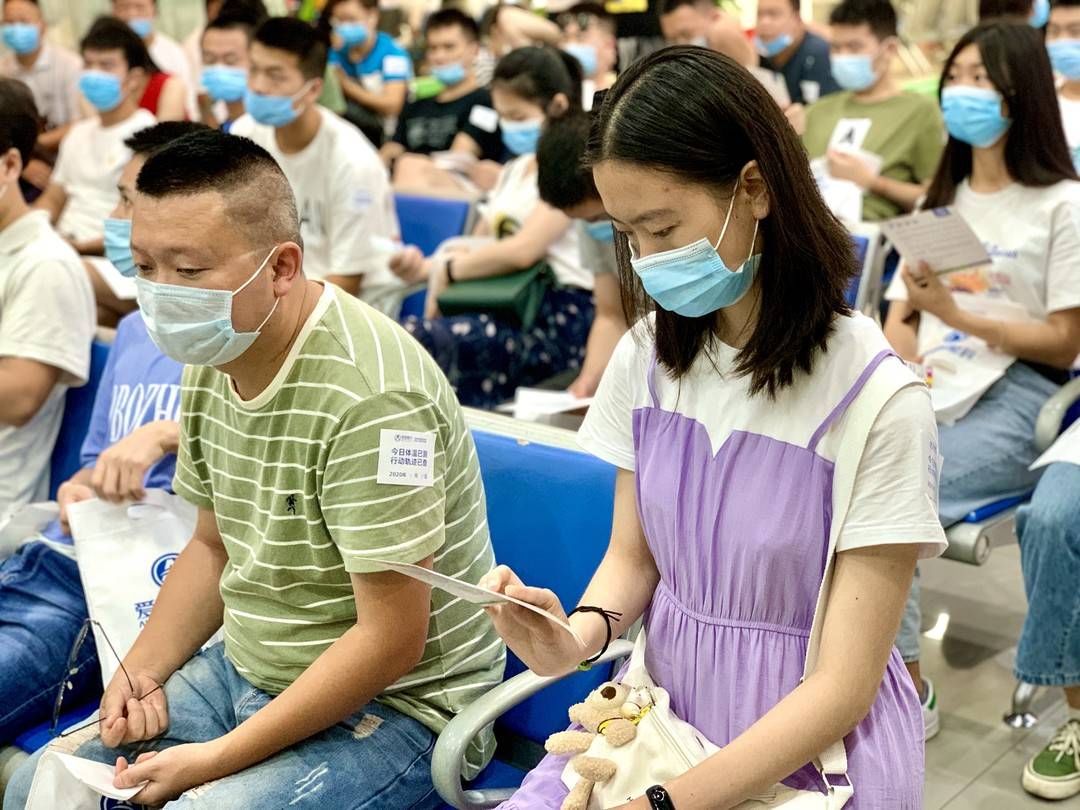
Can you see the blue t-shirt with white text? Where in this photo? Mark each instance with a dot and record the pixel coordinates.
(386, 58)
(139, 385)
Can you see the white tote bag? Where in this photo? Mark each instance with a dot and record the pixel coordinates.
(667, 746)
(124, 552)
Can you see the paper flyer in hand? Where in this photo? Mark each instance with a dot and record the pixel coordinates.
(1065, 449)
(74, 783)
(473, 594)
(940, 237)
(530, 404)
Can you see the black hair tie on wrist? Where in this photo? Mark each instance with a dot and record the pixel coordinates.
(609, 617)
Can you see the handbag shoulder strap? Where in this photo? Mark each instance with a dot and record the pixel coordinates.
(858, 420)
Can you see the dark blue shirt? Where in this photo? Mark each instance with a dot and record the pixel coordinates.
(807, 69)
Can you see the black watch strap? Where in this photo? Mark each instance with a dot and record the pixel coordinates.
(659, 798)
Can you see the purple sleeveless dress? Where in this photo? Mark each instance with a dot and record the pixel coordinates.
(740, 540)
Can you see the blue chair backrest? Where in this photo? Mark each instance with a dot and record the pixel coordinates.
(549, 510)
(861, 245)
(427, 222)
(78, 406)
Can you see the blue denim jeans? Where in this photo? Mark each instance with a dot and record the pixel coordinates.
(1049, 532)
(42, 608)
(987, 455)
(375, 760)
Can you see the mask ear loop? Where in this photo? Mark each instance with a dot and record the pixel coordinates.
(753, 242)
(727, 219)
(254, 276)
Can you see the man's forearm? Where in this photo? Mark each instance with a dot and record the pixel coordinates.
(342, 680)
(188, 611)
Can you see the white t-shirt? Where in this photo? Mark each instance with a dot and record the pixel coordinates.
(1032, 235)
(1070, 117)
(88, 168)
(895, 495)
(170, 58)
(47, 314)
(54, 81)
(513, 200)
(344, 198)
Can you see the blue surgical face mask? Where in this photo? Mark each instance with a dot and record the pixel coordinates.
(973, 115)
(1040, 14)
(854, 72)
(773, 46)
(22, 37)
(103, 90)
(450, 75)
(225, 83)
(521, 137)
(352, 33)
(600, 231)
(693, 281)
(193, 325)
(274, 111)
(143, 26)
(586, 55)
(118, 246)
(1065, 57)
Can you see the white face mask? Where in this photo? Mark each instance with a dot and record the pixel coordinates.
(194, 326)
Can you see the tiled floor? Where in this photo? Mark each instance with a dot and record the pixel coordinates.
(973, 618)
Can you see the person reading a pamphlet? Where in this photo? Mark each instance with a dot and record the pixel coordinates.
(884, 140)
(1007, 171)
(335, 674)
(763, 435)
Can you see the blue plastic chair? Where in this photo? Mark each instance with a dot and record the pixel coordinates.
(865, 288)
(549, 509)
(427, 222)
(78, 406)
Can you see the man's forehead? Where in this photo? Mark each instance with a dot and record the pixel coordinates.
(201, 218)
(269, 57)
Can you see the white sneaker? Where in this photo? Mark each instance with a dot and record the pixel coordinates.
(930, 715)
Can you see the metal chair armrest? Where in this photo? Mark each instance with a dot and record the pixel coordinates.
(462, 730)
(1048, 425)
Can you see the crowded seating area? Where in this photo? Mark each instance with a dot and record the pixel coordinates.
(365, 364)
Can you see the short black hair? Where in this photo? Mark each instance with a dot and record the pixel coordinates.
(154, 137)
(19, 119)
(587, 9)
(995, 9)
(879, 15)
(668, 6)
(447, 17)
(563, 178)
(111, 34)
(1064, 3)
(239, 16)
(258, 198)
(297, 37)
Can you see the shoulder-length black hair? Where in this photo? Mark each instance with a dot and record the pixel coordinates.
(701, 117)
(1036, 152)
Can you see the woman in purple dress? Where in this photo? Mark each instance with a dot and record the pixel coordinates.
(725, 411)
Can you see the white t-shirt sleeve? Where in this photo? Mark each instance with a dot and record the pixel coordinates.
(1063, 280)
(358, 212)
(608, 430)
(49, 317)
(69, 151)
(896, 490)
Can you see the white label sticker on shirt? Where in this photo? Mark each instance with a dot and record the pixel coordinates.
(484, 118)
(360, 201)
(850, 133)
(406, 458)
(395, 67)
(811, 91)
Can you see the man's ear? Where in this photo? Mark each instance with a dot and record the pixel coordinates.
(288, 266)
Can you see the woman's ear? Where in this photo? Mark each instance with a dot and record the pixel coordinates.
(558, 106)
(752, 184)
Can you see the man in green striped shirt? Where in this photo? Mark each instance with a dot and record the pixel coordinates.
(318, 439)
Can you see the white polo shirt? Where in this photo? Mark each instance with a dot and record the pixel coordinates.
(47, 314)
(54, 81)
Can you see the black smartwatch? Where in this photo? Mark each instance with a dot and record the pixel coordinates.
(659, 798)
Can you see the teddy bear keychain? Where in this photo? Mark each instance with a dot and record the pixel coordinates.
(612, 711)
